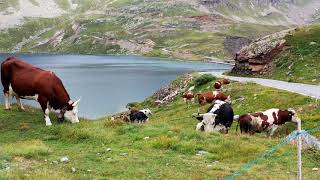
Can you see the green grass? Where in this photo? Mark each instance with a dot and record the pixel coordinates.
(251, 30)
(9, 3)
(30, 148)
(198, 44)
(63, 4)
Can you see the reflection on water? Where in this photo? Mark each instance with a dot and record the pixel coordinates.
(107, 83)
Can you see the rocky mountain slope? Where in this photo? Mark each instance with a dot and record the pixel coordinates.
(291, 55)
(193, 29)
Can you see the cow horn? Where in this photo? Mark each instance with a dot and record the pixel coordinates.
(77, 102)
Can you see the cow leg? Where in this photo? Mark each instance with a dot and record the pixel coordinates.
(273, 129)
(47, 118)
(45, 108)
(20, 103)
(60, 117)
(7, 102)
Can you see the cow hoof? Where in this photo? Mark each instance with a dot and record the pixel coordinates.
(8, 109)
(48, 124)
(22, 109)
(60, 121)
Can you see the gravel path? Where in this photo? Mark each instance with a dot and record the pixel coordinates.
(304, 89)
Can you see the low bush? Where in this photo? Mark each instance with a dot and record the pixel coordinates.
(204, 79)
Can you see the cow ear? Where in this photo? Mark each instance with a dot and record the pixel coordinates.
(76, 103)
(292, 111)
(199, 118)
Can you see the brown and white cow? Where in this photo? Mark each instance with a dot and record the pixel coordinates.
(209, 97)
(188, 97)
(268, 120)
(218, 84)
(25, 81)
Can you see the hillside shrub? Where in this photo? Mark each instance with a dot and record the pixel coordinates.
(204, 79)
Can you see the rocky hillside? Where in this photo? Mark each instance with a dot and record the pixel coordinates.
(291, 55)
(193, 29)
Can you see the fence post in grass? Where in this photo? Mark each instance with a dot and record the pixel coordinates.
(299, 144)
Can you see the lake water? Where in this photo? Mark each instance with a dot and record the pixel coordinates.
(108, 83)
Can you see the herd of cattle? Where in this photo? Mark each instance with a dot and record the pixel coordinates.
(220, 116)
(25, 81)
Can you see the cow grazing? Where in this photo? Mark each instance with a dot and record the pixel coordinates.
(209, 97)
(188, 97)
(268, 120)
(24, 81)
(140, 116)
(219, 117)
(218, 84)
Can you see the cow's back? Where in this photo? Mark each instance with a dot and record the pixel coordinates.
(27, 80)
(206, 97)
(226, 115)
(12, 67)
(19, 74)
(9, 69)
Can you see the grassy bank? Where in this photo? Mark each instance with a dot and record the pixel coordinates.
(300, 61)
(29, 150)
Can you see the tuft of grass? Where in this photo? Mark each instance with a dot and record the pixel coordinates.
(26, 149)
(110, 123)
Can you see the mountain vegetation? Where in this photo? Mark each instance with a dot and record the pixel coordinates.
(192, 30)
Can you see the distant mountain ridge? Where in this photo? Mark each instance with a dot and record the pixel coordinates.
(272, 12)
(183, 29)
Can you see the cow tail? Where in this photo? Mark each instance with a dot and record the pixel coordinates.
(5, 76)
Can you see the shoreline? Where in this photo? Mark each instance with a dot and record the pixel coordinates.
(225, 62)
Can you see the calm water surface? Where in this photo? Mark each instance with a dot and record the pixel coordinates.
(107, 83)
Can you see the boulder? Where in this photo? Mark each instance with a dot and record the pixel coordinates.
(257, 58)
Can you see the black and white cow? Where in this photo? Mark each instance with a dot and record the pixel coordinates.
(140, 116)
(219, 117)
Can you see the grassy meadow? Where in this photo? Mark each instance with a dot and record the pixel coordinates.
(164, 148)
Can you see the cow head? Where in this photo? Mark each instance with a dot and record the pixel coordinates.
(207, 124)
(71, 111)
(229, 100)
(293, 116)
(147, 112)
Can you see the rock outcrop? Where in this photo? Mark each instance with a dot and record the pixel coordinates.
(257, 57)
(235, 43)
(54, 41)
